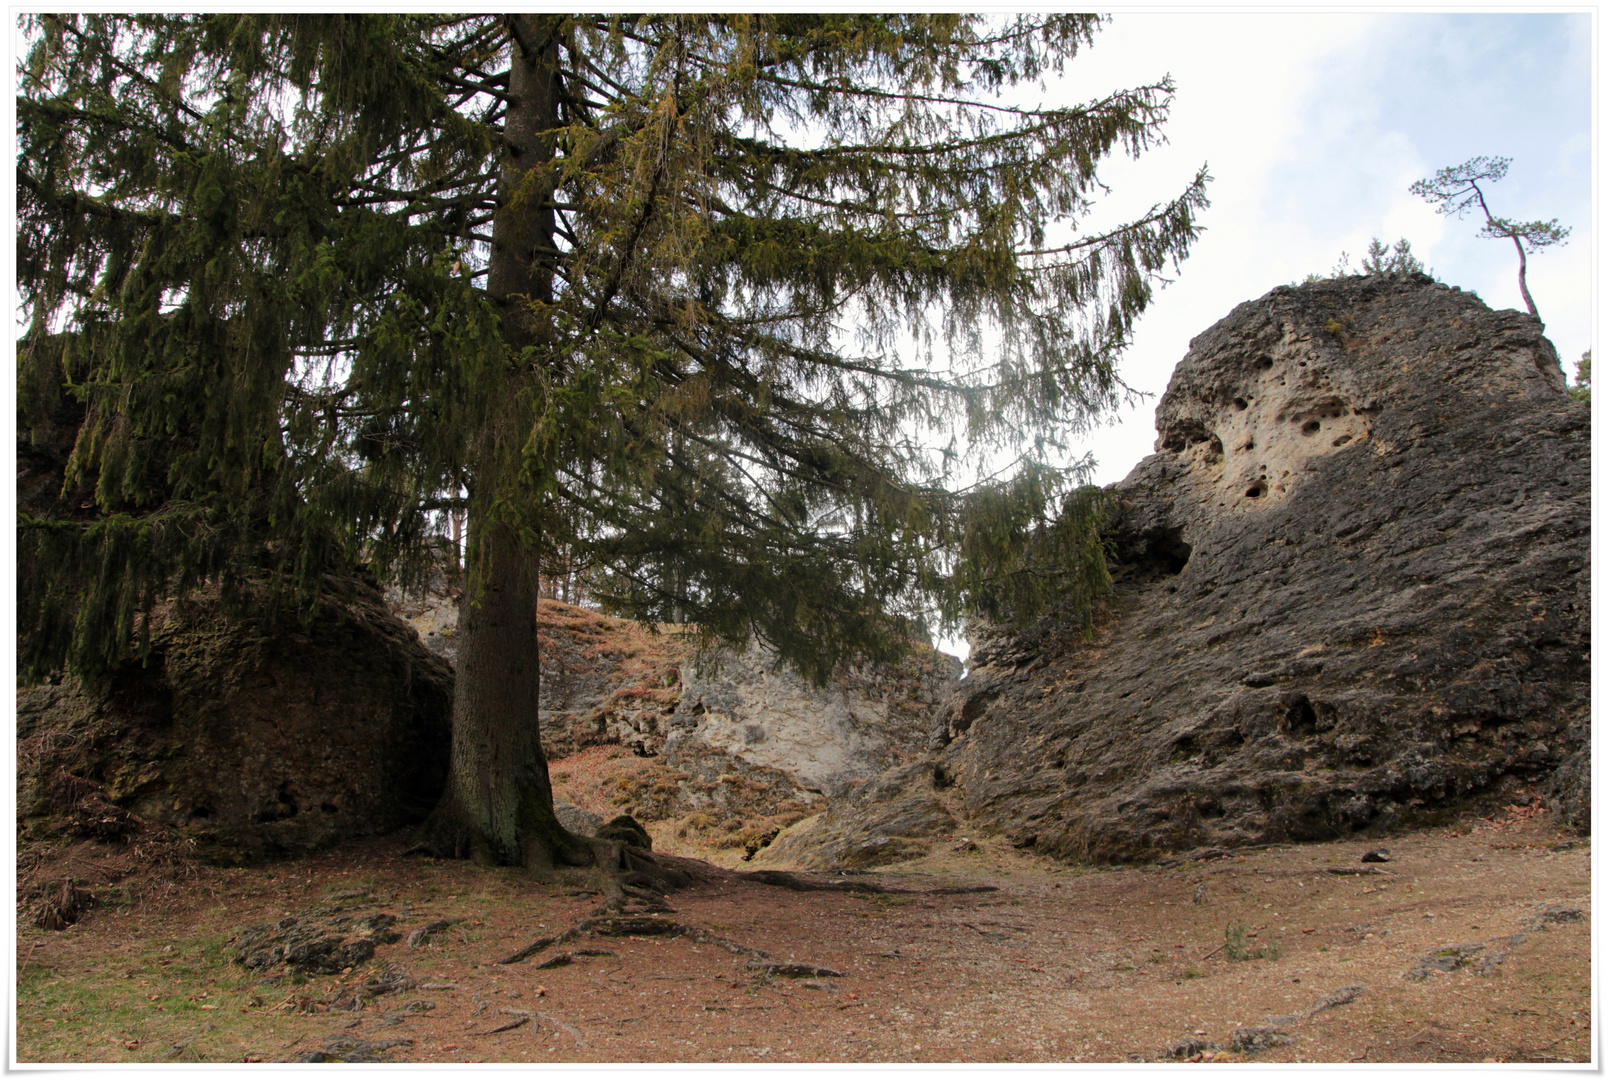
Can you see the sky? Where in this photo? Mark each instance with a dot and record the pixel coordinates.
(1314, 126)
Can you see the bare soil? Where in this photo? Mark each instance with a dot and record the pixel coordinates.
(1055, 963)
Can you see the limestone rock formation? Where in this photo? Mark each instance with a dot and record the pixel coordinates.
(253, 741)
(604, 680)
(749, 706)
(1352, 591)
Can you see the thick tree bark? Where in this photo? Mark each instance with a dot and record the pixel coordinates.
(498, 806)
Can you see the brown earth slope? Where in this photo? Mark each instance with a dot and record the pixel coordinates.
(1249, 956)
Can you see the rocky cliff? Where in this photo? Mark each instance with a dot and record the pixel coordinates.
(608, 681)
(1352, 592)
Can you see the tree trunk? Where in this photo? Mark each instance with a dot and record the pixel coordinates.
(1524, 290)
(498, 806)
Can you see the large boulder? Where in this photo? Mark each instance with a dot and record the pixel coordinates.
(1352, 592)
(252, 740)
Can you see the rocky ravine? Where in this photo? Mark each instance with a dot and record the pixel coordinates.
(727, 747)
(1353, 592)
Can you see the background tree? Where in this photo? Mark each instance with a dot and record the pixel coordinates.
(675, 296)
(1456, 189)
(1581, 390)
(1382, 258)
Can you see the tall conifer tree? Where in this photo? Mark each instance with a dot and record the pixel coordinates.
(674, 293)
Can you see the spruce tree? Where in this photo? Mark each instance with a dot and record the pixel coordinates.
(675, 296)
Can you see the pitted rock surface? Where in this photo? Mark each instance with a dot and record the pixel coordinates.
(1352, 592)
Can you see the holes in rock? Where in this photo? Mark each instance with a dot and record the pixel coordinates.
(1152, 555)
(941, 778)
(1183, 747)
(201, 812)
(1240, 404)
(1300, 718)
(1341, 441)
(329, 808)
(1311, 427)
(1256, 490)
(1264, 363)
(1185, 435)
(283, 807)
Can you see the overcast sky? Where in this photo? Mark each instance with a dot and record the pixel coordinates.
(1314, 125)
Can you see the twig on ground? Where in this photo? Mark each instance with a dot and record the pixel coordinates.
(511, 1025)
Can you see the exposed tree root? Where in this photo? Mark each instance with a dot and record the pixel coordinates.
(653, 926)
(635, 900)
(62, 907)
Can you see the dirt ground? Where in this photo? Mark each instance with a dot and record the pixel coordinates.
(1051, 963)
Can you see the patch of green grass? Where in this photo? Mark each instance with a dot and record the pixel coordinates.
(173, 1001)
(1237, 945)
(884, 900)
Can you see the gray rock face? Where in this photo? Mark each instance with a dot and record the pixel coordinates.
(576, 820)
(740, 741)
(828, 738)
(1353, 590)
(893, 817)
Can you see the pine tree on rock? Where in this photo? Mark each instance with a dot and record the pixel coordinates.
(677, 294)
(1456, 189)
